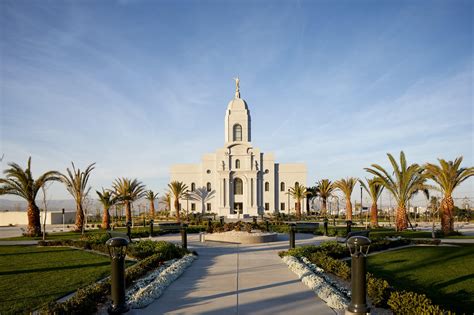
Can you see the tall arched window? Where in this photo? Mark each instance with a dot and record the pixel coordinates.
(267, 186)
(237, 163)
(297, 184)
(237, 132)
(238, 187)
(282, 186)
(193, 186)
(208, 186)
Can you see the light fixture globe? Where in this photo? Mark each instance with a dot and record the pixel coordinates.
(358, 245)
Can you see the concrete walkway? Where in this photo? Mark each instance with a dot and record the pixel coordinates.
(238, 279)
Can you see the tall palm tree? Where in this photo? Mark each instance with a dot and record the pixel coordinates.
(177, 189)
(107, 199)
(166, 200)
(324, 189)
(448, 175)
(312, 192)
(374, 188)
(407, 181)
(128, 191)
(203, 195)
(298, 192)
(76, 185)
(151, 197)
(346, 185)
(20, 182)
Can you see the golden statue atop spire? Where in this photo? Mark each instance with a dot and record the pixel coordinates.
(237, 87)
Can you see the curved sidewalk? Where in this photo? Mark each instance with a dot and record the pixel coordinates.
(238, 279)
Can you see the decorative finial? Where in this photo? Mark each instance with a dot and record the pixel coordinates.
(237, 87)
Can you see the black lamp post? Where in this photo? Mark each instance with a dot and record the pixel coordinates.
(325, 226)
(288, 204)
(151, 227)
(129, 231)
(292, 235)
(359, 248)
(117, 247)
(184, 236)
(348, 226)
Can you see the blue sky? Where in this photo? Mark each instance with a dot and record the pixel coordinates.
(136, 86)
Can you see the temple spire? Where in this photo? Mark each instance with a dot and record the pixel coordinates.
(237, 87)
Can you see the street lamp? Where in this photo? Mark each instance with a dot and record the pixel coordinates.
(358, 248)
(288, 203)
(117, 247)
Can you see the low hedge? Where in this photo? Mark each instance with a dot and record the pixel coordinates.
(143, 249)
(411, 303)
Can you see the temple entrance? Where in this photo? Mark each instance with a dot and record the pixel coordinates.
(238, 207)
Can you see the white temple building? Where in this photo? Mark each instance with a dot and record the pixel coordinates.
(240, 179)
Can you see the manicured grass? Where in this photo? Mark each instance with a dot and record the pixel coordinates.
(31, 276)
(444, 273)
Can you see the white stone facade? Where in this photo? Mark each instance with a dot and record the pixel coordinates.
(243, 178)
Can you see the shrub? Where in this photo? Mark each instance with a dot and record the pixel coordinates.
(164, 250)
(331, 265)
(334, 249)
(411, 303)
(378, 290)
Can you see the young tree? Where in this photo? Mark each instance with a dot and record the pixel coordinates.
(448, 175)
(346, 185)
(177, 189)
(374, 188)
(324, 189)
(407, 181)
(20, 182)
(298, 192)
(151, 197)
(128, 191)
(107, 199)
(76, 184)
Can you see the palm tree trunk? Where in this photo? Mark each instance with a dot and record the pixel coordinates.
(79, 217)
(447, 220)
(374, 222)
(325, 205)
(34, 222)
(152, 209)
(298, 209)
(176, 207)
(128, 211)
(106, 219)
(348, 209)
(401, 222)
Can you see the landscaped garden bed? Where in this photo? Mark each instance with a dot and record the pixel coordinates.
(317, 267)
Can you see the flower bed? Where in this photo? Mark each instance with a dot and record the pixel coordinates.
(151, 287)
(326, 291)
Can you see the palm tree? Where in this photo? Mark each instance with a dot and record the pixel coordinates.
(448, 175)
(324, 189)
(151, 196)
(20, 182)
(76, 185)
(346, 185)
(203, 195)
(312, 192)
(374, 189)
(407, 181)
(107, 199)
(166, 199)
(177, 189)
(298, 192)
(128, 191)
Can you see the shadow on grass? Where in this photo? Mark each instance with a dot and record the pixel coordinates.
(39, 252)
(15, 272)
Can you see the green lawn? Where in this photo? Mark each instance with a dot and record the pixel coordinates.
(31, 276)
(445, 274)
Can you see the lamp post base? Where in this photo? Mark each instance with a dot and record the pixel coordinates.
(367, 312)
(119, 309)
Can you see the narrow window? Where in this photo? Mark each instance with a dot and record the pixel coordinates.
(209, 206)
(238, 187)
(193, 207)
(193, 186)
(267, 206)
(297, 184)
(237, 163)
(237, 132)
(282, 186)
(267, 186)
(208, 186)
(179, 206)
(282, 206)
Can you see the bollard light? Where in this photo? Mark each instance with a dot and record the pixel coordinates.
(254, 218)
(129, 230)
(325, 226)
(292, 235)
(359, 248)
(221, 220)
(151, 227)
(348, 226)
(267, 225)
(184, 236)
(117, 247)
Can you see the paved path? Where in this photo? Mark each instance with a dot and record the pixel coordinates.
(239, 279)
